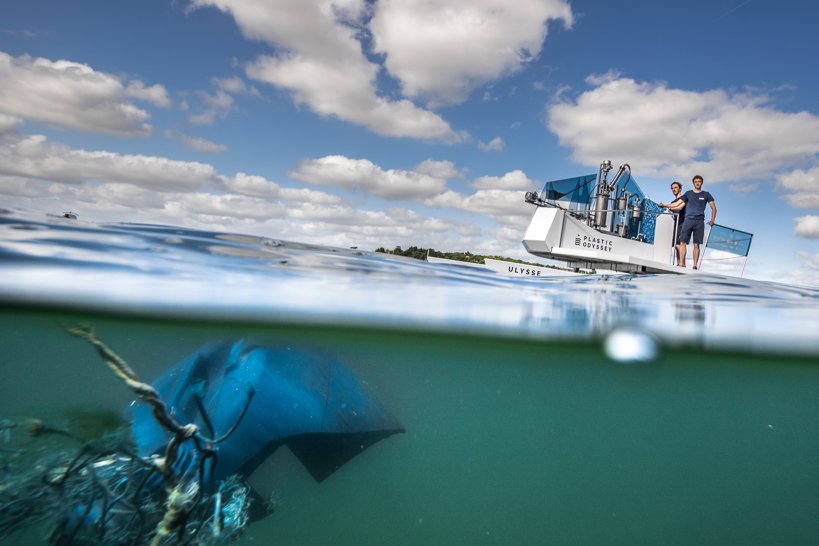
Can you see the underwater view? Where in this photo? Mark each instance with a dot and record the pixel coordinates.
(160, 385)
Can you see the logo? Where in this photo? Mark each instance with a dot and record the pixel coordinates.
(522, 271)
(596, 243)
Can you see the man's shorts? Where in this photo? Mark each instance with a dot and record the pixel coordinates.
(678, 231)
(695, 227)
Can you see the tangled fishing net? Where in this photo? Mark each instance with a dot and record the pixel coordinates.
(100, 492)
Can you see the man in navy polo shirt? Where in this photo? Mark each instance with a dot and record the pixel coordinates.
(695, 201)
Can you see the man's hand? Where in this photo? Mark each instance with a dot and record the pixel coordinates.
(711, 223)
(661, 205)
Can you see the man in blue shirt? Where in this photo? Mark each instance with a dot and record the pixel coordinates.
(678, 206)
(695, 201)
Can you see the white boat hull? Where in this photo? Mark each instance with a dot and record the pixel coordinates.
(556, 235)
(513, 269)
(510, 269)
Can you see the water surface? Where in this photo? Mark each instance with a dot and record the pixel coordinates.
(519, 429)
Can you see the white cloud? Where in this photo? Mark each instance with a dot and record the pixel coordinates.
(104, 186)
(321, 62)
(744, 189)
(21, 186)
(803, 188)
(31, 158)
(219, 101)
(234, 206)
(349, 174)
(218, 105)
(672, 133)
(68, 94)
(347, 91)
(496, 144)
(602, 79)
(807, 275)
(8, 124)
(492, 202)
(515, 180)
(439, 169)
(196, 144)
(235, 85)
(444, 49)
(807, 227)
(156, 94)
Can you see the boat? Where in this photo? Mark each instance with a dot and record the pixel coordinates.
(511, 269)
(589, 222)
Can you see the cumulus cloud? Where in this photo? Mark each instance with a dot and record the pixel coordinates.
(442, 50)
(68, 94)
(362, 174)
(744, 189)
(156, 94)
(196, 144)
(672, 133)
(439, 169)
(496, 145)
(235, 85)
(105, 186)
(807, 227)
(21, 186)
(492, 202)
(218, 105)
(8, 124)
(802, 187)
(807, 275)
(515, 180)
(321, 62)
(32, 158)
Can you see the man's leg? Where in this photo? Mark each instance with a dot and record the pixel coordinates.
(683, 251)
(696, 255)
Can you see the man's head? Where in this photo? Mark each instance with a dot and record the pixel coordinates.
(676, 187)
(697, 182)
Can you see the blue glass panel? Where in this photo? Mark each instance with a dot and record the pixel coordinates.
(627, 181)
(570, 193)
(729, 240)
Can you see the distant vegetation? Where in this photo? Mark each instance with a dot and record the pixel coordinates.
(421, 254)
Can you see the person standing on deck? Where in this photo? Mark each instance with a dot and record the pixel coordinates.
(695, 201)
(678, 206)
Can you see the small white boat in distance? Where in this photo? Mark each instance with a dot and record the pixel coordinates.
(591, 223)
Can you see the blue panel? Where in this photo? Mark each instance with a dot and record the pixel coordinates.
(570, 193)
(649, 221)
(729, 240)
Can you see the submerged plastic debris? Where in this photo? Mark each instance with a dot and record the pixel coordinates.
(201, 429)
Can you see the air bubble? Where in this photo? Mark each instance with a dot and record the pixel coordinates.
(631, 346)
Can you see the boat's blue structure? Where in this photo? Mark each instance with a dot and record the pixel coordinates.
(301, 397)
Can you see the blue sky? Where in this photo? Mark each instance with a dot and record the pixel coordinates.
(400, 122)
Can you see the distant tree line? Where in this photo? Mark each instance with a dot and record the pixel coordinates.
(421, 254)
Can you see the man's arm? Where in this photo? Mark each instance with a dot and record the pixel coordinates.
(713, 212)
(676, 205)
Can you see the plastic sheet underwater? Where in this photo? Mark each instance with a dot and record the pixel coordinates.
(519, 428)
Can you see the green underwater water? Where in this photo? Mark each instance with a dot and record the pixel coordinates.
(508, 441)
